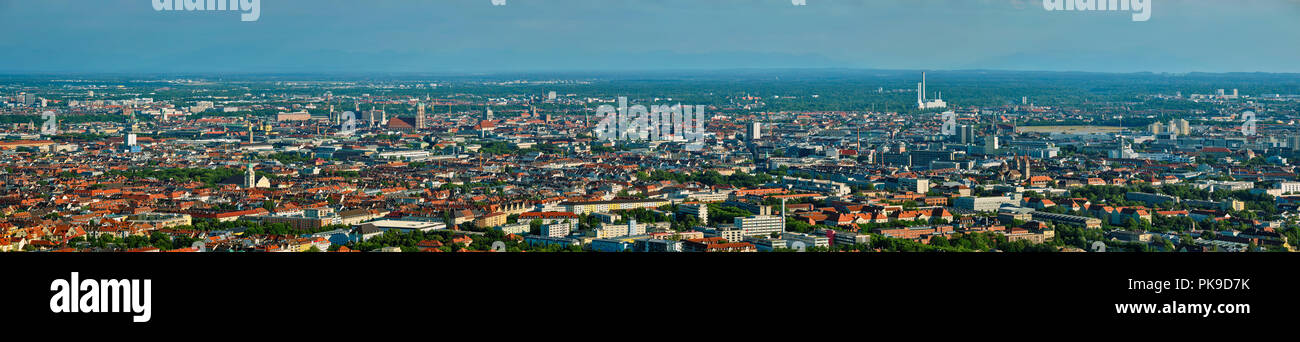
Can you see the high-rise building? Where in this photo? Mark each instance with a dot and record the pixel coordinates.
(990, 144)
(917, 185)
(966, 134)
(487, 115)
(755, 131)
(1221, 94)
(129, 141)
(1156, 127)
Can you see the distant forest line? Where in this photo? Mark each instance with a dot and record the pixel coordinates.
(776, 90)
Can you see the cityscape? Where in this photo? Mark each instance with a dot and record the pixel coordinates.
(649, 126)
(875, 161)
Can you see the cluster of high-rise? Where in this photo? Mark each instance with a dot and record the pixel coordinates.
(1174, 127)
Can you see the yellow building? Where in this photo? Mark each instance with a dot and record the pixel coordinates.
(491, 220)
(161, 220)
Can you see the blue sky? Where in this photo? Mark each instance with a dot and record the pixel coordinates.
(598, 35)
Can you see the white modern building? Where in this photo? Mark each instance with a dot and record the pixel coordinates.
(985, 203)
(759, 225)
(558, 230)
(1288, 187)
(619, 230)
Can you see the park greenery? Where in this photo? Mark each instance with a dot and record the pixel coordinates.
(209, 177)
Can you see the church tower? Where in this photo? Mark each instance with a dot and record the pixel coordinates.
(334, 117)
(419, 117)
(250, 180)
(1023, 162)
(371, 116)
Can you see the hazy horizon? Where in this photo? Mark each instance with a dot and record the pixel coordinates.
(575, 36)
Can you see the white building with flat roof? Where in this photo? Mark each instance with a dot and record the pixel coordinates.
(809, 241)
(406, 226)
(985, 203)
(557, 230)
(1288, 187)
(759, 225)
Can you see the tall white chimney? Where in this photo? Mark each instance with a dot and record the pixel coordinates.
(923, 90)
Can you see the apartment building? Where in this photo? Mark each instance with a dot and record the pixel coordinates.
(759, 225)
